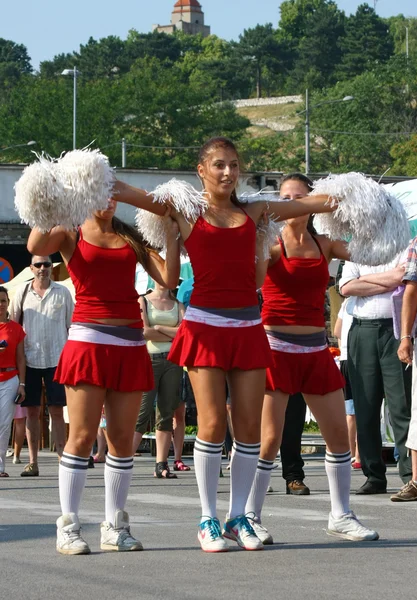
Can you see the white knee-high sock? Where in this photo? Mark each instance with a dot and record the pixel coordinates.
(207, 464)
(242, 472)
(72, 477)
(259, 487)
(338, 470)
(117, 477)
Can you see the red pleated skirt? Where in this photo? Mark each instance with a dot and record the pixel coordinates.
(227, 348)
(311, 373)
(119, 368)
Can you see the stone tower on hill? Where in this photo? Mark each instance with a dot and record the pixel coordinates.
(187, 17)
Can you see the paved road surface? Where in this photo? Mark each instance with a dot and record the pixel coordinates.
(304, 563)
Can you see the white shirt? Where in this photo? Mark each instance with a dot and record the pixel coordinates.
(371, 307)
(46, 321)
(345, 314)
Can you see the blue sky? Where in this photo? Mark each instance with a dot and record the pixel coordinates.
(50, 27)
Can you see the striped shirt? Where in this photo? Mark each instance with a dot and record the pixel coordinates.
(46, 321)
(411, 262)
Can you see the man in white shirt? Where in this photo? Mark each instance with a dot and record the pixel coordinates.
(374, 369)
(44, 309)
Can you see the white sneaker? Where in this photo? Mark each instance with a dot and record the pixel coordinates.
(68, 537)
(261, 532)
(16, 461)
(240, 530)
(9, 453)
(210, 536)
(117, 537)
(349, 527)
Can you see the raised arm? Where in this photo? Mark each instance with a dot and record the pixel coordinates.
(137, 197)
(283, 210)
(167, 272)
(56, 240)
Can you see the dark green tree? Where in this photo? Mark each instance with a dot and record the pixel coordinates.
(367, 43)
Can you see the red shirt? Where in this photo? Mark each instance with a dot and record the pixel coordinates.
(223, 262)
(294, 290)
(11, 333)
(104, 282)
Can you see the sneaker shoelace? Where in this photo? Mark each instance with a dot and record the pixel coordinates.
(352, 517)
(245, 527)
(125, 535)
(213, 528)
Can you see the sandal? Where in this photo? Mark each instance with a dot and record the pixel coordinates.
(180, 466)
(99, 459)
(162, 471)
(4, 474)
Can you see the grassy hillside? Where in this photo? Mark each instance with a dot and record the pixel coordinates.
(266, 120)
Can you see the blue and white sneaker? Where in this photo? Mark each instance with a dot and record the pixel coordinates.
(210, 536)
(241, 531)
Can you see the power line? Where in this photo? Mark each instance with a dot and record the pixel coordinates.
(392, 133)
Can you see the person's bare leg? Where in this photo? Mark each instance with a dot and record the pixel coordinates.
(414, 463)
(33, 432)
(59, 430)
(137, 439)
(351, 425)
(179, 431)
(101, 446)
(163, 443)
(19, 436)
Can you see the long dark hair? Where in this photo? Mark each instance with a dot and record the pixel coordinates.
(220, 142)
(134, 239)
(309, 186)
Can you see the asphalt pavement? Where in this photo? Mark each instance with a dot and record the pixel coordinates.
(304, 563)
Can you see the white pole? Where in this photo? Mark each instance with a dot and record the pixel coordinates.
(74, 122)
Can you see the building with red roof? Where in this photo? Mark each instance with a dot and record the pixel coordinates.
(188, 17)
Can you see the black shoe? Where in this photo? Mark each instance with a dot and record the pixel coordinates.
(297, 488)
(371, 488)
(91, 464)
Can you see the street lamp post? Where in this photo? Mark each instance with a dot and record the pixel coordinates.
(74, 72)
(307, 123)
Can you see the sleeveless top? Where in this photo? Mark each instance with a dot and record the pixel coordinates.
(169, 318)
(104, 282)
(223, 262)
(294, 290)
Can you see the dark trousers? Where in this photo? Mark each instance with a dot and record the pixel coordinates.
(292, 463)
(375, 372)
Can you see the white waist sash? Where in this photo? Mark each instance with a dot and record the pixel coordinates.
(78, 333)
(197, 315)
(281, 346)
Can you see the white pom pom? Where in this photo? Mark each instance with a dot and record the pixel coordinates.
(183, 197)
(261, 196)
(65, 192)
(372, 221)
(270, 234)
(88, 180)
(39, 193)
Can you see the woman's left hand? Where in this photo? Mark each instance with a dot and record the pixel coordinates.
(171, 226)
(22, 393)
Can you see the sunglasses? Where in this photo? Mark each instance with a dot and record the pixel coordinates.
(46, 264)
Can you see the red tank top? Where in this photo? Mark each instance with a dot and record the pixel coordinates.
(104, 285)
(294, 290)
(223, 262)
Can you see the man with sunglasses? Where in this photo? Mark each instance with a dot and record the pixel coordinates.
(44, 309)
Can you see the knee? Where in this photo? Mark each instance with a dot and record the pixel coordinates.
(56, 412)
(81, 442)
(212, 429)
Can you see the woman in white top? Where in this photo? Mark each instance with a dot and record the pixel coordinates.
(162, 315)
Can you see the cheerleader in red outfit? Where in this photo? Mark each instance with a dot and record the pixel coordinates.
(221, 337)
(105, 361)
(293, 317)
